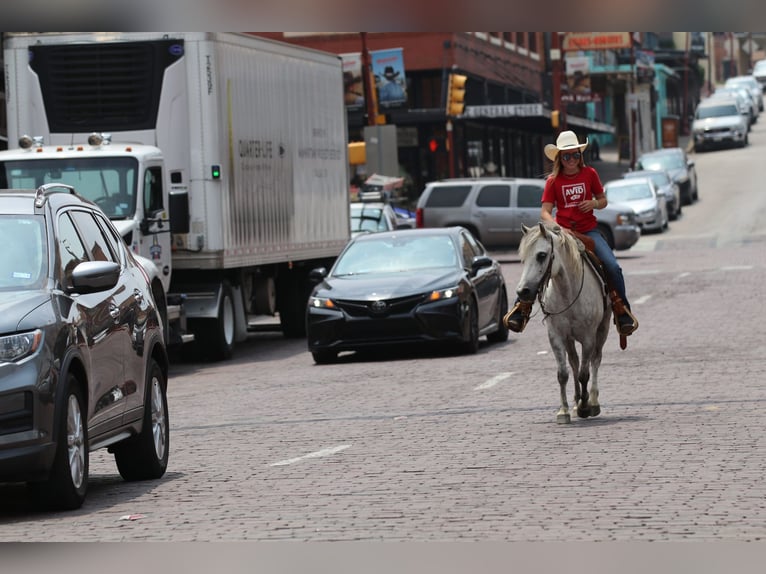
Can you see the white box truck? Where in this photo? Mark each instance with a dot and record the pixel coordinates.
(221, 157)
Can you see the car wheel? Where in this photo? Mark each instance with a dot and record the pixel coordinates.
(324, 357)
(607, 233)
(67, 483)
(501, 334)
(471, 345)
(145, 456)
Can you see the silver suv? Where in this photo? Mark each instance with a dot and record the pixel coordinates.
(494, 209)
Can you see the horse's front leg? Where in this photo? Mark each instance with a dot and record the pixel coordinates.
(562, 417)
(585, 404)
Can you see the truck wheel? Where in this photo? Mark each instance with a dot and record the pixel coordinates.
(214, 338)
(68, 481)
(145, 456)
(294, 296)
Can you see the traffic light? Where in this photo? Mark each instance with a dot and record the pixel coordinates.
(437, 144)
(456, 94)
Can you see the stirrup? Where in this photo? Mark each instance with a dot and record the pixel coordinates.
(626, 329)
(524, 310)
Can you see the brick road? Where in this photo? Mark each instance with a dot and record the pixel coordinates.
(430, 446)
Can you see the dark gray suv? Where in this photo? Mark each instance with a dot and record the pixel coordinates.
(82, 360)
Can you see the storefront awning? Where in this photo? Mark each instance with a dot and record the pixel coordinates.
(535, 116)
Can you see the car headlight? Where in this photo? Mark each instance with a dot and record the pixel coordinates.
(321, 303)
(647, 212)
(20, 345)
(626, 219)
(442, 294)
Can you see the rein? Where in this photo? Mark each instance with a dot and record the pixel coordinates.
(546, 279)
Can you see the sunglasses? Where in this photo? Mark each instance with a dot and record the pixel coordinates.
(568, 156)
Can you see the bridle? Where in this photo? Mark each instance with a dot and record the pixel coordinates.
(546, 279)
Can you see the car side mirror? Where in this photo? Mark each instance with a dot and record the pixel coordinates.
(94, 276)
(317, 275)
(480, 262)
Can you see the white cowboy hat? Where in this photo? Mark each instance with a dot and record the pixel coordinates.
(565, 142)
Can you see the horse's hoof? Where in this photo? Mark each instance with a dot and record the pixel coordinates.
(583, 411)
(595, 411)
(563, 419)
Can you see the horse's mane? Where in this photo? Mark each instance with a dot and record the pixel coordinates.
(569, 245)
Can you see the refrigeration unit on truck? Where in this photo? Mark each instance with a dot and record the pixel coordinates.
(221, 157)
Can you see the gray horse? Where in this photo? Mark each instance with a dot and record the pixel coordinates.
(573, 298)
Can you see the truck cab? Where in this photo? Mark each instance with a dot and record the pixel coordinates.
(125, 181)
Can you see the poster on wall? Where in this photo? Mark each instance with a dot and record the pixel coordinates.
(578, 82)
(390, 81)
(353, 87)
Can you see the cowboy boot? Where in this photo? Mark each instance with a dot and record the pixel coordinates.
(625, 321)
(516, 319)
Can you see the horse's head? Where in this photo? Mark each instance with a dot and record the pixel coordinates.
(536, 252)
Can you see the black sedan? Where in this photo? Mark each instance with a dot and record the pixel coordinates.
(407, 286)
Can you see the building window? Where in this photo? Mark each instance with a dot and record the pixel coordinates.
(532, 42)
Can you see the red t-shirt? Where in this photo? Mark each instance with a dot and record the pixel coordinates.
(566, 192)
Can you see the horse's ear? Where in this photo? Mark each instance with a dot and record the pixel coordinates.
(542, 229)
(525, 229)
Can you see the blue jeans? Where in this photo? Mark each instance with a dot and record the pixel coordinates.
(609, 261)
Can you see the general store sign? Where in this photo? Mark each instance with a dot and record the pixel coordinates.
(503, 111)
(596, 41)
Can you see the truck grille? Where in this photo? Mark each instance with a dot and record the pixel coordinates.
(103, 86)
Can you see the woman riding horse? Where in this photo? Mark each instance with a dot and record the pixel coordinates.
(576, 190)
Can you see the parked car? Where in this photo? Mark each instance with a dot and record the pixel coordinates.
(744, 101)
(753, 86)
(665, 186)
(641, 194)
(83, 365)
(494, 209)
(718, 122)
(405, 287)
(759, 73)
(372, 214)
(679, 165)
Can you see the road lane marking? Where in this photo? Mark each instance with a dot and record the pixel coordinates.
(682, 275)
(317, 454)
(641, 300)
(488, 384)
(645, 272)
(737, 268)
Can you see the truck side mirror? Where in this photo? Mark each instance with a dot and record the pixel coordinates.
(179, 212)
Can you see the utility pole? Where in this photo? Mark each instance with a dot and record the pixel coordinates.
(559, 121)
(633, 101)
(685, 119)
(710, 53)
(367, 83)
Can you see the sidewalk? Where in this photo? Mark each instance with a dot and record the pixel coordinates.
(610, 167)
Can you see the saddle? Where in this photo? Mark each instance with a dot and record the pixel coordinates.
(618, 307)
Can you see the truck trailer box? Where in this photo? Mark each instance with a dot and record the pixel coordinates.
(220, 157)
(253, 130)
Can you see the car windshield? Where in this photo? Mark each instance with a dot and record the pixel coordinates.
(665, 161)
(397, 254)
(658, 177)
(717, 111)
(110, 182)
(368, 218)
(628, 192)
(24, 256)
